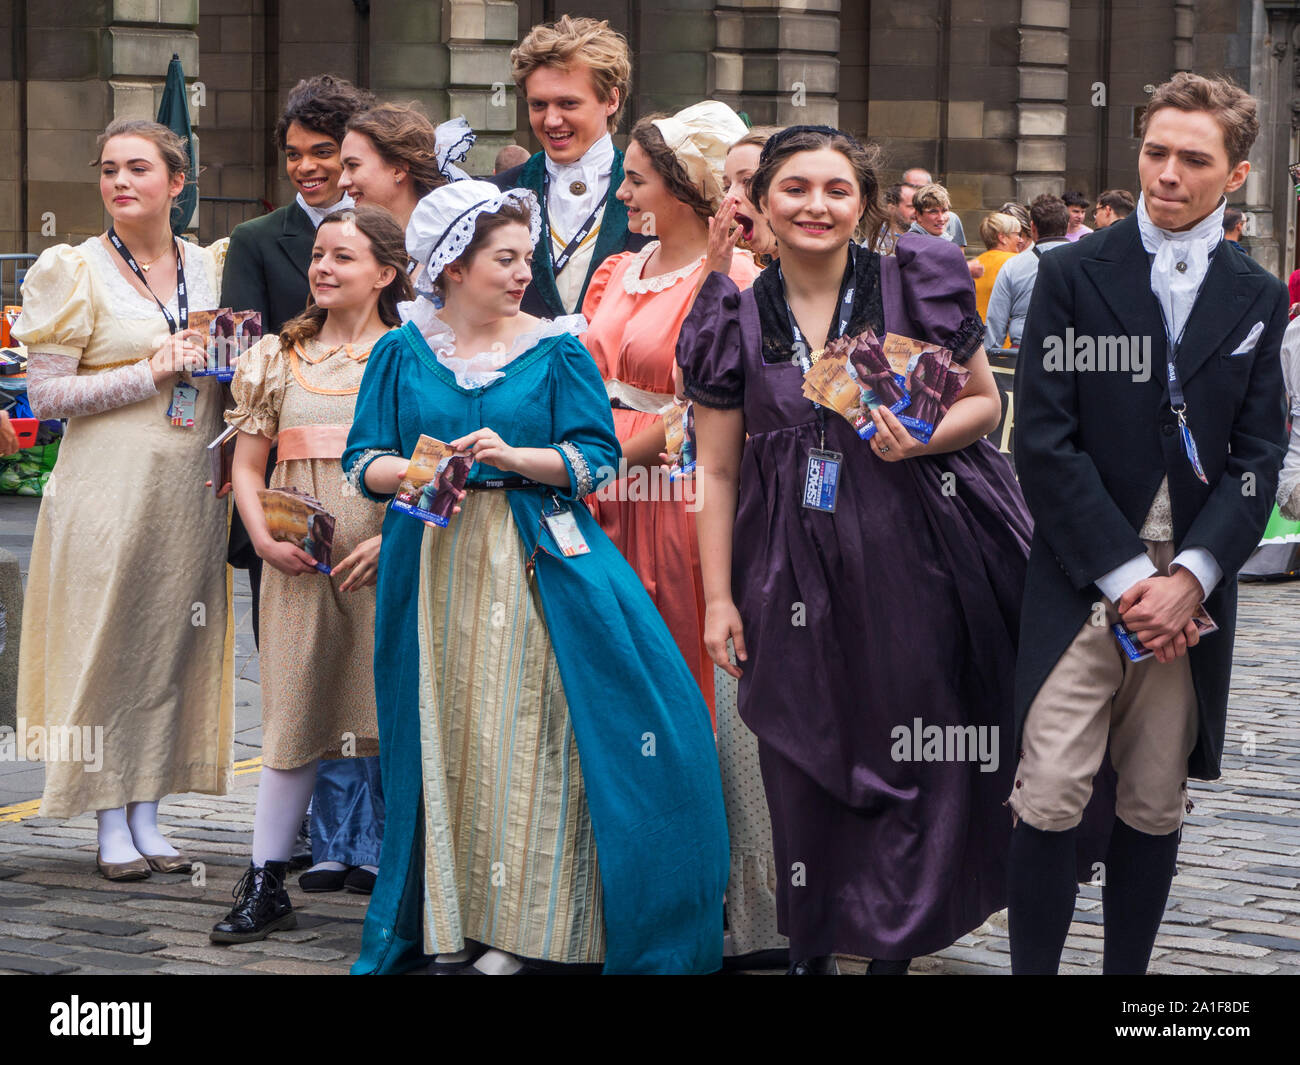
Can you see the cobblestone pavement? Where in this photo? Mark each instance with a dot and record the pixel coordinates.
(1235, 907)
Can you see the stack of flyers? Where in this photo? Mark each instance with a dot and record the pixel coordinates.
(297, 518)
(929, 378)
(230, 334)
(1137, 651)
(679, 437)
(433, 483)
(853, 378)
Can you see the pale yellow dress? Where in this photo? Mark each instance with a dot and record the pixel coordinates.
(318, 642)
(127, 631)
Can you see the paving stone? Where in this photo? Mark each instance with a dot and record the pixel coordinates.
(41, 948)
(117, 962)
(295, 967)
(298, 951)
(24, 964)
(28, 931)
(124, 944)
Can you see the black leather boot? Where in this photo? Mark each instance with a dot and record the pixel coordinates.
(262, 906)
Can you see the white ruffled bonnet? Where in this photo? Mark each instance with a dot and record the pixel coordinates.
(700, 136)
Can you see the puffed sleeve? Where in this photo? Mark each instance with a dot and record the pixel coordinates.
(218, 248)
(939, 294)
(709, 346)
(600, 281)
(58, 316)
(375, 430)
(581, 420)
(261, 376)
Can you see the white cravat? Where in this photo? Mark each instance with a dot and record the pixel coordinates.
(317, 214)
(1176, 292)
(1176, 288)
(566, 210)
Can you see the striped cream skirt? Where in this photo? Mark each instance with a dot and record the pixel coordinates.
(510, 856)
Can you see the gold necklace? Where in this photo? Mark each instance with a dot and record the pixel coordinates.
(145, 265)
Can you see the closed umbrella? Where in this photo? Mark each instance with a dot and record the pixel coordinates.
(174, 113)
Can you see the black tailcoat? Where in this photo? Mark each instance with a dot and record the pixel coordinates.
(1092, 447)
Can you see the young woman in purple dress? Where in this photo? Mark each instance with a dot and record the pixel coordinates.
(857, 629)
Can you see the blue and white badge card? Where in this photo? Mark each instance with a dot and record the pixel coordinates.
(822, 484)
(563, 527)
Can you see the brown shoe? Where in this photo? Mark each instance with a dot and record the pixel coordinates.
(168, 863)
(136, 870)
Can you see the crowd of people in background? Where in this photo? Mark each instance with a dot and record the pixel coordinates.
(576, 727)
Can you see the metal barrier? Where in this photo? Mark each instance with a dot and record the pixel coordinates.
(217, 222)
(12, 269)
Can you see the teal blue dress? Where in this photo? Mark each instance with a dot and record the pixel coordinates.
(661, 835)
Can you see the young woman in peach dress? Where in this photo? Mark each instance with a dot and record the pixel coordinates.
(636, 302)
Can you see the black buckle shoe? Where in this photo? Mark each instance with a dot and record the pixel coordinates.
(262, 906)
(824, 965)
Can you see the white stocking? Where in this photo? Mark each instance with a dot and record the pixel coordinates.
(282, 797)
(142, 817)
(498, 963)
(115, 846)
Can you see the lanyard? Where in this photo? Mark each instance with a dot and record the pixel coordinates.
(1177, 402)
(801, 346)
(182, 300)
(563, 258)
(846, 311)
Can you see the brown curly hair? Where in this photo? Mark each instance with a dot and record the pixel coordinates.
(664, 160)
(403, 137)
(388, 246)
(322, 104)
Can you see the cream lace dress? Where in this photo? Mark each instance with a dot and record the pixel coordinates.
(126, 626)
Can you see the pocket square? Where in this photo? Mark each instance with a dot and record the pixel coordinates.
(1252, 338)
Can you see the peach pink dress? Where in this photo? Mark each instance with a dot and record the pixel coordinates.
(633, 338)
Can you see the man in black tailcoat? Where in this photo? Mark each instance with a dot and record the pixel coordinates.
(1149, 488)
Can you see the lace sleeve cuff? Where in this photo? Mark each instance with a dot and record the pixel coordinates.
(56, 390)
(356, 474)
(717, 398)
(968, 336)
(582, 480)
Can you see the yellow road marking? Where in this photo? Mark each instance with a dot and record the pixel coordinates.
(20, 811)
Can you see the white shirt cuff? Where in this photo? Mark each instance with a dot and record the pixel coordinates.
(1119, 580)
(1200, 563)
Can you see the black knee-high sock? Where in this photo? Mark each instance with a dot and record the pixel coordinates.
(888, 967)
(1041, 891)
(1139, 870)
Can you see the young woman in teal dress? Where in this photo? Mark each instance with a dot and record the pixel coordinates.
(548, 761)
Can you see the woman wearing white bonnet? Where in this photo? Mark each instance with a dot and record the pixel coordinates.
(500, 657)
(673, 177)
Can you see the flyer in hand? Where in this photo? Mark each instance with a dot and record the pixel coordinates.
(434, 482)
(295, 517)
(916, 380)
(679, 438)
(230, 334)
(1137, 651)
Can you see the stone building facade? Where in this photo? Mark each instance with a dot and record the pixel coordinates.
(1000, 99)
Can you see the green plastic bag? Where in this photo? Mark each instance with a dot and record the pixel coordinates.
(27, 472)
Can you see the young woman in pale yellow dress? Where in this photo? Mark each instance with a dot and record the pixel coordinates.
(299, 389)
(126, 643)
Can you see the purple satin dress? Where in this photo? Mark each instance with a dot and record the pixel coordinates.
(902, 605)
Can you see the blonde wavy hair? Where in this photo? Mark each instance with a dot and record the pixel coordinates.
(572, 41)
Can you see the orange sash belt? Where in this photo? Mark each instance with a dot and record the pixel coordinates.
(312, 442)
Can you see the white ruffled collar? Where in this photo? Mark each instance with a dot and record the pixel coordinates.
(635, 285)
(475, 371)
(596, 162)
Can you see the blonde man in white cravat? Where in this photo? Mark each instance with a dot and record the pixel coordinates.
(575, 76)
